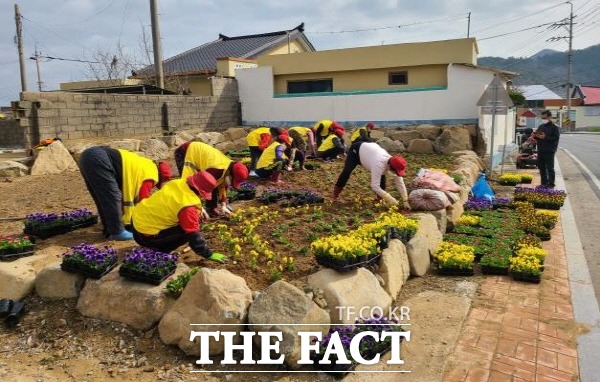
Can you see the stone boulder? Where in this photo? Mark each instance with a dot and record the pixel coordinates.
(357, 289)
(136, 304)
(126, 144)
(213, 296)
(211, 137)
(283, 303)
(225, 146)
(155, 149)
(17, 278)
(12, 169)
(169, 140)
(392, 147)
(420, 146)
(454, 212)
(52, 282)
(240, 143)
(441, 219)
(234, 133)
(430, 132)
(53, 159)
(76, 149)
(418, 251)
(394, 267)
(375, 134)
(428, 227)
(453, 139)
(184, 136)
(405, 136)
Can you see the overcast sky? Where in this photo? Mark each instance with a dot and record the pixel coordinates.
(75, 29)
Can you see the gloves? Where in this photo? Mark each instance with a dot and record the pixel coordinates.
(407, 206)
(226, 209)
(389, 200)
(204, 214)
(218, 257)
(337, 190)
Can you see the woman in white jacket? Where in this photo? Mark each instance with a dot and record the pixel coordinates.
(377, 161)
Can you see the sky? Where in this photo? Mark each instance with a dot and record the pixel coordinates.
(85, 29)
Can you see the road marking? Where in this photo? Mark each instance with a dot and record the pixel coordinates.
(583, 167)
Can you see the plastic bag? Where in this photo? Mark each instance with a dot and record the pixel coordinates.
(428, 200)
(481, 189)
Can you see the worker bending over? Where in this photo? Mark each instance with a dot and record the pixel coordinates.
(258, 140)
(273, 159)
(332, 145)
(323, 128)
(118, 180)
(171, 216)
(377, 161)
(198, 156)
(363, 133)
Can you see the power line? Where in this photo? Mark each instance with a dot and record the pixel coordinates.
(80, 21)
(50, 58)
(517, 31)
(503, 23)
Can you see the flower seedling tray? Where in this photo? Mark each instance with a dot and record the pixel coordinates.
(505, 183)
(338, 371)
(324, 261)
(527, 277)
(489, 270)
(455, 271)
(143, 277)
(86, 271)
(44, 233)
(16, 255)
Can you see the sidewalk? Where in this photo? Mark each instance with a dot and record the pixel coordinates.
(519, 331)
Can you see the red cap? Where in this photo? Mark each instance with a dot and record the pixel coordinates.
(239, 173)
(204, 183)
(370, 126)
(164, 172)
(285, 139)
(335, 126)
(339, 132)
(398, 164)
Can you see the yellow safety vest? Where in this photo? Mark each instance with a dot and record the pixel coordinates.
(326, 125)
(356, 133)
(201, 157)
(327, 143)
(303, 131)
(136, 169)
(267, 158)
(161, 210)
(253, 137)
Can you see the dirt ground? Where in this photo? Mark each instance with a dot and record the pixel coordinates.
(55, 343)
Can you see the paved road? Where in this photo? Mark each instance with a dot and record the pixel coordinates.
(584, 195)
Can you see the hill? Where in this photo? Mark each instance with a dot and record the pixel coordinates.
(549, 67)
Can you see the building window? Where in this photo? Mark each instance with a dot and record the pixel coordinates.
(310, 86)
(398, 78)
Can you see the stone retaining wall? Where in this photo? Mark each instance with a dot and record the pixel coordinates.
(11, 134)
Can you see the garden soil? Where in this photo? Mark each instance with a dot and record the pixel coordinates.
(55, 343)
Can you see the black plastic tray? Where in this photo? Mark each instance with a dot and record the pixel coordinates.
(455, 272)
(489, 270)
(346, 268)
(338, 371)
(85, 271)
(17, 255)
(44, 233)
(142, 277)
(526, 277)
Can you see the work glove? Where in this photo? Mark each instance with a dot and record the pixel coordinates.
(226, 210)
(389, 200)
(204, 214)
(336, 192)
(406, 206)
(218, 257)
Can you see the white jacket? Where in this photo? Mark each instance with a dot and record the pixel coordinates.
(375, 159)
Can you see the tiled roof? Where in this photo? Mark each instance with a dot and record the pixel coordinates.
(538, 92)
(591, 95)
(204, 57)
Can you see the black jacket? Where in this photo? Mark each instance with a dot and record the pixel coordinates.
(550, 142)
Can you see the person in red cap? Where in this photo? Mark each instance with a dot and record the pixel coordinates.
(377, 161)
(171, 216)
(273, 159)
(332, 146)
(323, 128)
(258, 140)
(117, 181)
(198, 156)
(363, 133)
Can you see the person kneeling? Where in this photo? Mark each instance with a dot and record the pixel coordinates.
(332, 146)
(273, 159)
(171, 216)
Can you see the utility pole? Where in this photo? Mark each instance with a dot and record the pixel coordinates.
(156, 46)
(569, 65)
(36, 57)
(20, 48)
(469, 24)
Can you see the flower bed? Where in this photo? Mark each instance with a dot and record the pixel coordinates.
(501, 203)
(538, 224)
(527, 264)
(541, 197)
(89, 261)
(148, 265)
(292, 198)
(474, 204)
(246, 191)
(44, 225)
(176, 285)
(15, 246)
(510, 179)
(367, 347)
(455, 259)
(238, 153)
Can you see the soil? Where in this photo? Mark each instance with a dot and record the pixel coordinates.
(54, 342)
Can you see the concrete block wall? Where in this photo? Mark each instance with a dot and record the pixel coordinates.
(11, 134)
(80, 116)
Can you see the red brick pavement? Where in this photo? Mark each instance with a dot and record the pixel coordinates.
(518, 331)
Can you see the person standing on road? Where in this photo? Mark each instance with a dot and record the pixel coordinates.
(547, 136)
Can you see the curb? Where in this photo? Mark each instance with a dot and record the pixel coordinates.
(583, 298)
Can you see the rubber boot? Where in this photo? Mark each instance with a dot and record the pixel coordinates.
(15, 314)
(337, 190)
(276, 177)
(5, 307)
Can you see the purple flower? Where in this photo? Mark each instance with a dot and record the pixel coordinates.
(478, 204)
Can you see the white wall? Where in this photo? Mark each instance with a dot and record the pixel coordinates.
(504, 133)
(456, 104)
(587, 117)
